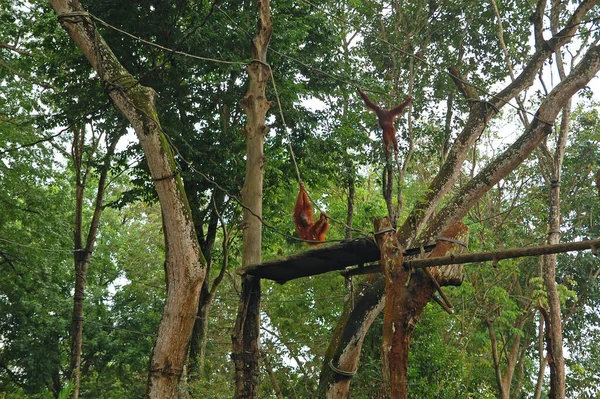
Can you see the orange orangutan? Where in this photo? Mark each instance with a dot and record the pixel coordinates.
(386, 119)
(313, 232)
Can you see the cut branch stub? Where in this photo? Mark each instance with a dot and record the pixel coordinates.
(451, 241)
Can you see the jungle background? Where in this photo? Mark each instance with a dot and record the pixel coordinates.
(62, 143)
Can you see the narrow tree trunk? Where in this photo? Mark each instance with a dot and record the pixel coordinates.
(184, 263)
(197, 352)
(557, 366)
(542, 369)
(350, 211)
(496, 358)
(245, 335)
(272, 376)
(504, 379)
(388, 187)
(555, 328)
(83, 254)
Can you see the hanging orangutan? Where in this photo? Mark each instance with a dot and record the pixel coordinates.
(312, 232)
(386, 119)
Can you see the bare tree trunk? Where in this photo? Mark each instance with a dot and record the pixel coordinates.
(397, 321)
(504, 379)
(184, 263)
(245, 335)
(388, 187)
(496, 358)
(542, 369)
(197, 351)
(557, 366)
(82, 254)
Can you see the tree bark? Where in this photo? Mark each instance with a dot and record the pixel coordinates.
(554, 328)
(245, 335)
(408, 302)
(199, 336)
(83, 253)
(394, 349)
(184, 263)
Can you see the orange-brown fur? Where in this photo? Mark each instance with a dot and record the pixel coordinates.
(313, 232)
(386, 119)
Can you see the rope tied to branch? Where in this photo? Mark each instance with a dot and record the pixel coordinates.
(388, 229)
(171, 176)
(82, 14)
(453, 240)
(341, 372)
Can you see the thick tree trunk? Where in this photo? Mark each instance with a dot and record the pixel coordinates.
(396, 320)
(408, 302)
(184, 263)
(245, 335)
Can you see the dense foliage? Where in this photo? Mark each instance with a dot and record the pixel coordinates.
(318, 54)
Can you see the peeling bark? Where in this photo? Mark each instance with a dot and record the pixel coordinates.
(408, 302)
(184, 263)
(245, 335)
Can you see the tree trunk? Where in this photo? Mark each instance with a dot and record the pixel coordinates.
(82, 254)
(350, 210)
(554, 329)
(504, 379)
(396, 320)
(197, 352)
(184, 263)
(408, 302)
(245, 335)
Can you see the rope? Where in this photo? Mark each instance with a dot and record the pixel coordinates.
(171, 176)
(173, 51)
(388, 229)
(341, 372)
(459, 242)
(285, 128)
(39, 248)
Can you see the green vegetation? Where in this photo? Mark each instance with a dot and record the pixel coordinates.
(318, 54)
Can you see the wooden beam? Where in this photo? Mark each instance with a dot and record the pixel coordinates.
(505, 254)
(361, 251)
(486, 256)
(316, 261)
